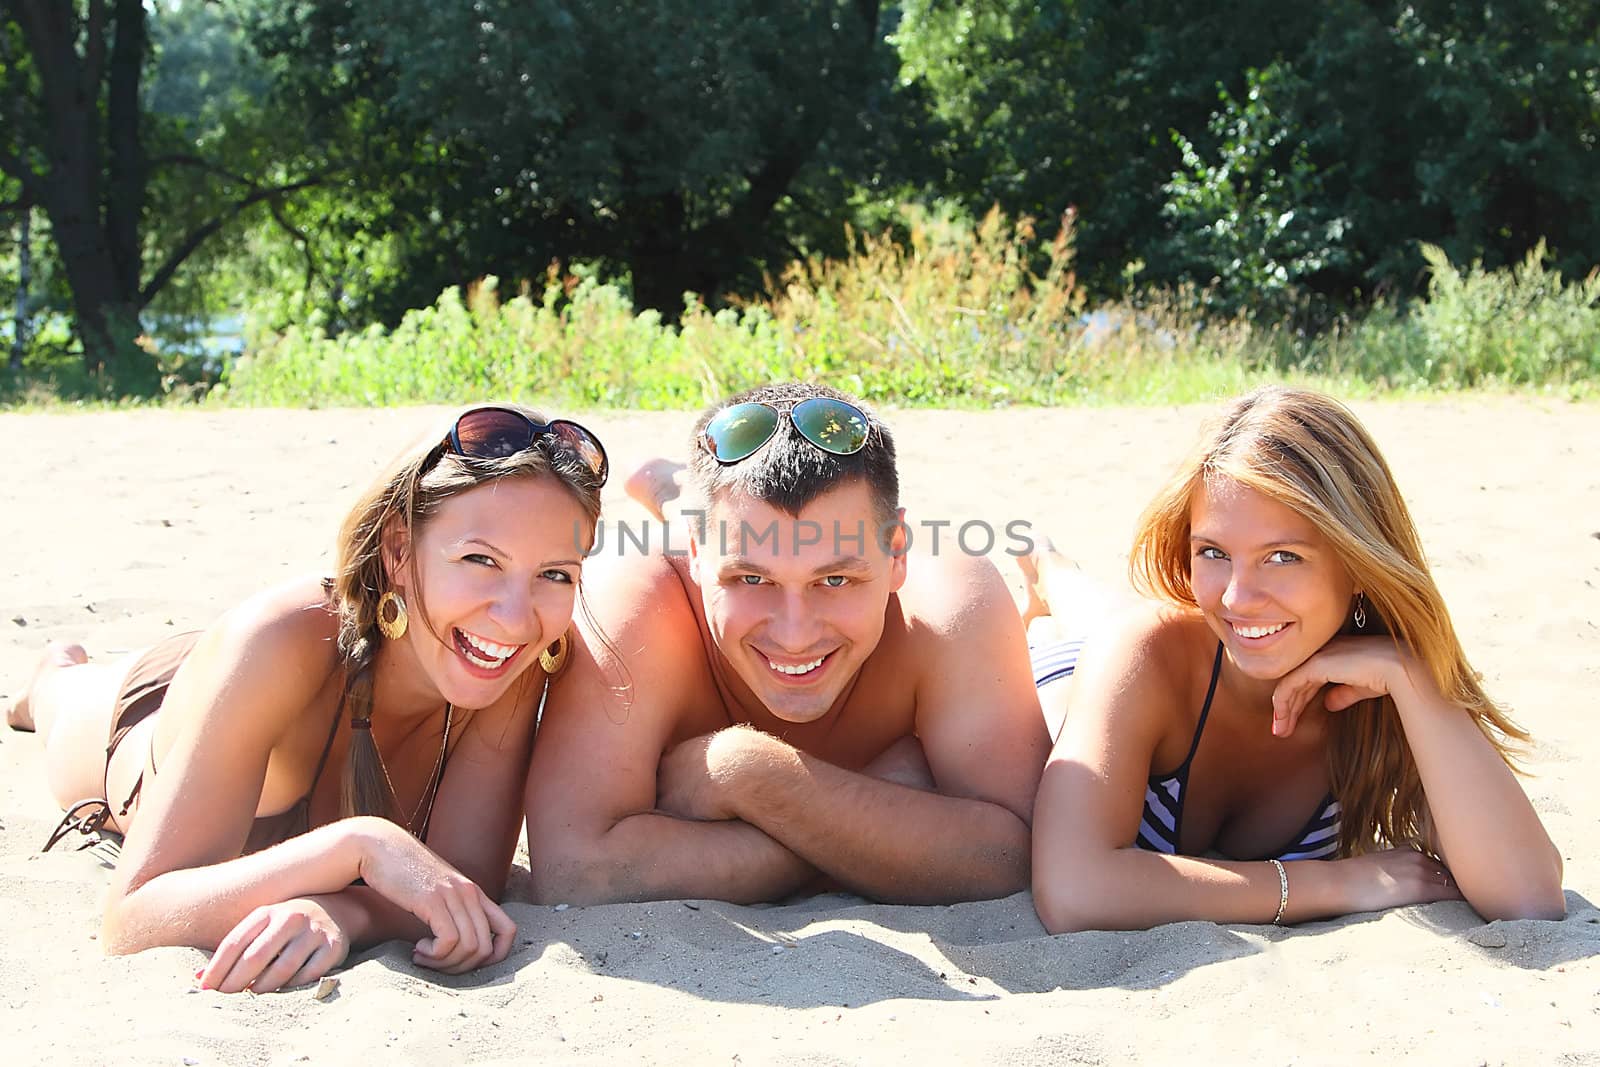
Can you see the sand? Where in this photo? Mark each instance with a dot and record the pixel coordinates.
(122, 527)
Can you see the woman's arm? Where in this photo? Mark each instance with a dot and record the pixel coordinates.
(245, 687)
(240, 693)
(1483, 824)
(1088, 874)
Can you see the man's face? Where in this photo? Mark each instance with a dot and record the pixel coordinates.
(796, 605)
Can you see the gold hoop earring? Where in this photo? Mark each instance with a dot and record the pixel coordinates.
(553, 658)
(392, 617)
(1360, 614)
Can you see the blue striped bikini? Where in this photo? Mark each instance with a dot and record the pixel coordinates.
(1161, 823)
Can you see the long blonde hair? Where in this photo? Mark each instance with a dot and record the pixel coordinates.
(1310, 453)
(411, 491)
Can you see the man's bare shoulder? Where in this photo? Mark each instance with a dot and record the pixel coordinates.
(638, 592)
(637, 625)
(947, 593)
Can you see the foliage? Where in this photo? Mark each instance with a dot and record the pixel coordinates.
(1371, 126)
(1257, 216)
(328, 165)
(956, 316)
(681, 145)
(132, 193)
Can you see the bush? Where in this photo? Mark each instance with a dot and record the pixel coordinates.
(958, 315)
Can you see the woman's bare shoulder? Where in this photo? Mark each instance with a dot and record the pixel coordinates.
(1157, 644)
(293, 624)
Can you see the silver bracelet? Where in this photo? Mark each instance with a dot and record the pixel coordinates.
(1283, 891)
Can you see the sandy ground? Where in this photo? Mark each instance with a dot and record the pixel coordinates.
(122, 527)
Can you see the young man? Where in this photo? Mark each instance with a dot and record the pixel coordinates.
(795, 703)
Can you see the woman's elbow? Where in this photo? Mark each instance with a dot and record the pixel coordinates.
(1536, 896)
(1065, 910)
(1541, 902)
(116, 938)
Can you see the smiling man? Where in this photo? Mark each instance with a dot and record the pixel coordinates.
(796, 703)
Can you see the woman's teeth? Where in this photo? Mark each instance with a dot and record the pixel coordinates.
(485, 653)
(799, 668)
(1258, 631)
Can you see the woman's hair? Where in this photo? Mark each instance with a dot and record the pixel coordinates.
(1308, 452)
(411, 492)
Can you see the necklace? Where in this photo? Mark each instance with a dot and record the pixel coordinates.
(432, 790)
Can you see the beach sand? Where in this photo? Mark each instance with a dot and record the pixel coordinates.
(122, 527)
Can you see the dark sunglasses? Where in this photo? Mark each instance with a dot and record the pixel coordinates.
(834, 426)
(495, 433)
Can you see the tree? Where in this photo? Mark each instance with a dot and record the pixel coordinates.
(80, 152)
(674, 142)
(1464, 124)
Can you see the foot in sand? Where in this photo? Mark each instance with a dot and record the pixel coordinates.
(656, 483)
(57, 654)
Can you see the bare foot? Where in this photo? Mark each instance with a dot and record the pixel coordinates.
(57, 654)
(655, 484)
(1036, 567)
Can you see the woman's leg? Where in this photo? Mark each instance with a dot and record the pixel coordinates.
(1062, 608)
(69, 703)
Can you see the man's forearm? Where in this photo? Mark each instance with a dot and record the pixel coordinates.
(650, 856)
(884, 840)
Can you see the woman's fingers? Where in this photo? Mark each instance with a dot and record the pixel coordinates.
(240, 938)
(1290, 700)
(493, 934)
(290, 957)
(505, 931)
(320, 962)
(445, 935)
(465, 948)
(254, 960)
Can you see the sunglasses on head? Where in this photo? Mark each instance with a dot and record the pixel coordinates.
(834, 426)
(495, 433)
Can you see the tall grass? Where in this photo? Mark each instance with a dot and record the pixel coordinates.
(955, 315)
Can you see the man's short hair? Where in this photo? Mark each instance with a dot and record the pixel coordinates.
(789, 472)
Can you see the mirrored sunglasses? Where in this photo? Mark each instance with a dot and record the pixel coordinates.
(834, 426)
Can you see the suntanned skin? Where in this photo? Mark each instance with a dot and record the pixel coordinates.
(1261, 771)
(673, 763)
(244, 722)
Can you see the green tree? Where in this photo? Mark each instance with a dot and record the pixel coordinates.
(1468, 125)
(683, 144)
(85, 149)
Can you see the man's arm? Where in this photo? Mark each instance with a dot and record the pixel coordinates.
(981, 730)
(594, 832)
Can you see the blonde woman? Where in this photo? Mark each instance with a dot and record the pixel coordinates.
(1293, 731)
(418, 670)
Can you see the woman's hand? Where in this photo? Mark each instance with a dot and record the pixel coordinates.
(468, 929)
(277, 946)
(1390, 879)
(1356, 669)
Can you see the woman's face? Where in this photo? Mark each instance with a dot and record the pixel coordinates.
(498, 567)
(1265, 577)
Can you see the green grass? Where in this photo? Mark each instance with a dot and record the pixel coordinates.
(952, 317)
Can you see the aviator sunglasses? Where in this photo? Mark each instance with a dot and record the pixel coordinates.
(495, 433)
(834, 426)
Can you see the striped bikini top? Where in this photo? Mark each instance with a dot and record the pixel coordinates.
(1161, 824)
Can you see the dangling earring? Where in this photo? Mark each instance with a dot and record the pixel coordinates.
(552, 658)
(1360, 614)
(392, 617)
